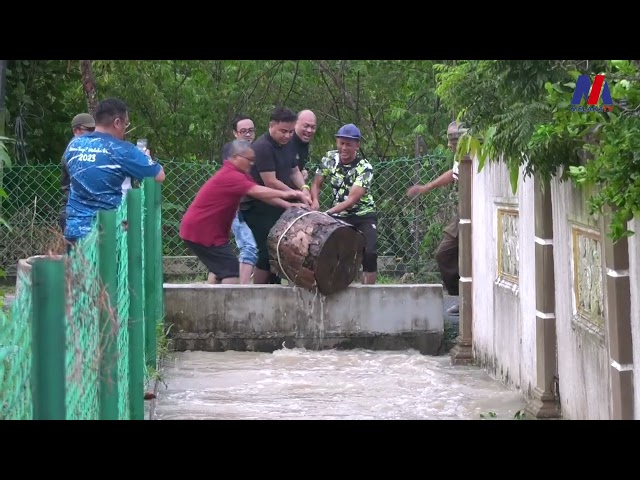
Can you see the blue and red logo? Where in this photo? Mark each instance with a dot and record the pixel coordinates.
(593, 93)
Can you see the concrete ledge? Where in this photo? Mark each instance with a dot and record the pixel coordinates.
(269, 317)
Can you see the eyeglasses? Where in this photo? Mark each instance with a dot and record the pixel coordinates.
(247, 131)
(87, 129)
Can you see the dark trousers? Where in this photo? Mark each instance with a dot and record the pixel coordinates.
(261, 217)
(447, 259)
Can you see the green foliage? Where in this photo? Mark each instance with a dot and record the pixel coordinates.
(42, 97)
(185, 107)
(519, 112)
(613, 150)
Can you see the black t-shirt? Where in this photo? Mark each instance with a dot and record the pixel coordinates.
(271, 157)
(301, 151)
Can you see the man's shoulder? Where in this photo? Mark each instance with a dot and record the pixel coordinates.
(330, 156)
(365, 164)
(229, 171)
(261, 141)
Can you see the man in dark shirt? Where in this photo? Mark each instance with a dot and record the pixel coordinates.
(305, 130)
(275, 167)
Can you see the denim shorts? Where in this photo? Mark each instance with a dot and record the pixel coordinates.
(245, 241)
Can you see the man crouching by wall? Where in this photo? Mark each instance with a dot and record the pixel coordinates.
(206, 225)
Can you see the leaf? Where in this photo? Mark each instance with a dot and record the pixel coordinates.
(4, 222)
(481, 159)
(557, 88)
(4, 158)
(514, 174)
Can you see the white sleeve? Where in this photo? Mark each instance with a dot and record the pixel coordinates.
(455, 171)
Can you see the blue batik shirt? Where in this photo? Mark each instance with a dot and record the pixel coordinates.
(101, 167)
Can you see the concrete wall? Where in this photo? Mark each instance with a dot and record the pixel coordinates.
(268, 317)
(505, 340)
(634, 280)
(503, 302)
(583, 365)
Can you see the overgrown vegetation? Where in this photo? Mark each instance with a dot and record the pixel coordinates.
(519, 112)
(163, 352)
(184, 107)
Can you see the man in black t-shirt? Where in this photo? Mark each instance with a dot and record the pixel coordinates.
(304, 132)
(275, 167)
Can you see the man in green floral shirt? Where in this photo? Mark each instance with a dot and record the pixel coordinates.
(351, 178)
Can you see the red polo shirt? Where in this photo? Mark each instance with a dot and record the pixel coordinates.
(208, 219)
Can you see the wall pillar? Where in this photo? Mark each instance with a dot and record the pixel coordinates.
(544, 403)
(462, 352)
(618, 320)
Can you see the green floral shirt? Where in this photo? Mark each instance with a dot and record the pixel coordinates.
(343, 177)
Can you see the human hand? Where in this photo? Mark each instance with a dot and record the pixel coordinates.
(305, 197)
(315, 205)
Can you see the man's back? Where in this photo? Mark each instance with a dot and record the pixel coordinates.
(208, 219)
(99, 165)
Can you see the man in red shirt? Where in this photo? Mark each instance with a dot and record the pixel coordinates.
(206, 225)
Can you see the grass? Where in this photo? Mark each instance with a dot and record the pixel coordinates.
(163, 351)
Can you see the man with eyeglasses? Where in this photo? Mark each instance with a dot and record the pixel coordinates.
(206, 225)
(242, 129)
(80, 124)
(100, 164)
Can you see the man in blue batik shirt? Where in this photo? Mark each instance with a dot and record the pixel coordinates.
(101, 165)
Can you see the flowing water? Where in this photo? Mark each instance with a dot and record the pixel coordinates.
(328, 384)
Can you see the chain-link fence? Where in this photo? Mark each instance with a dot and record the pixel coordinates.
(79, 332)
(409, 230)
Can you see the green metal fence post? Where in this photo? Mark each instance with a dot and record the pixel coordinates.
(136, 307)
(158, 257)
(150, 299)
(48, 340)
(108, 270)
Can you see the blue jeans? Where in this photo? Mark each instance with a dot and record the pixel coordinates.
(245, 241)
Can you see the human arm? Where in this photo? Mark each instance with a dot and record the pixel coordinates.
(274, 196)
(298, 181)
(362, 183)
(316, 186)
(265, 165)
(445, 179)
(323, 171)
(356, 192)
(139, 165)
